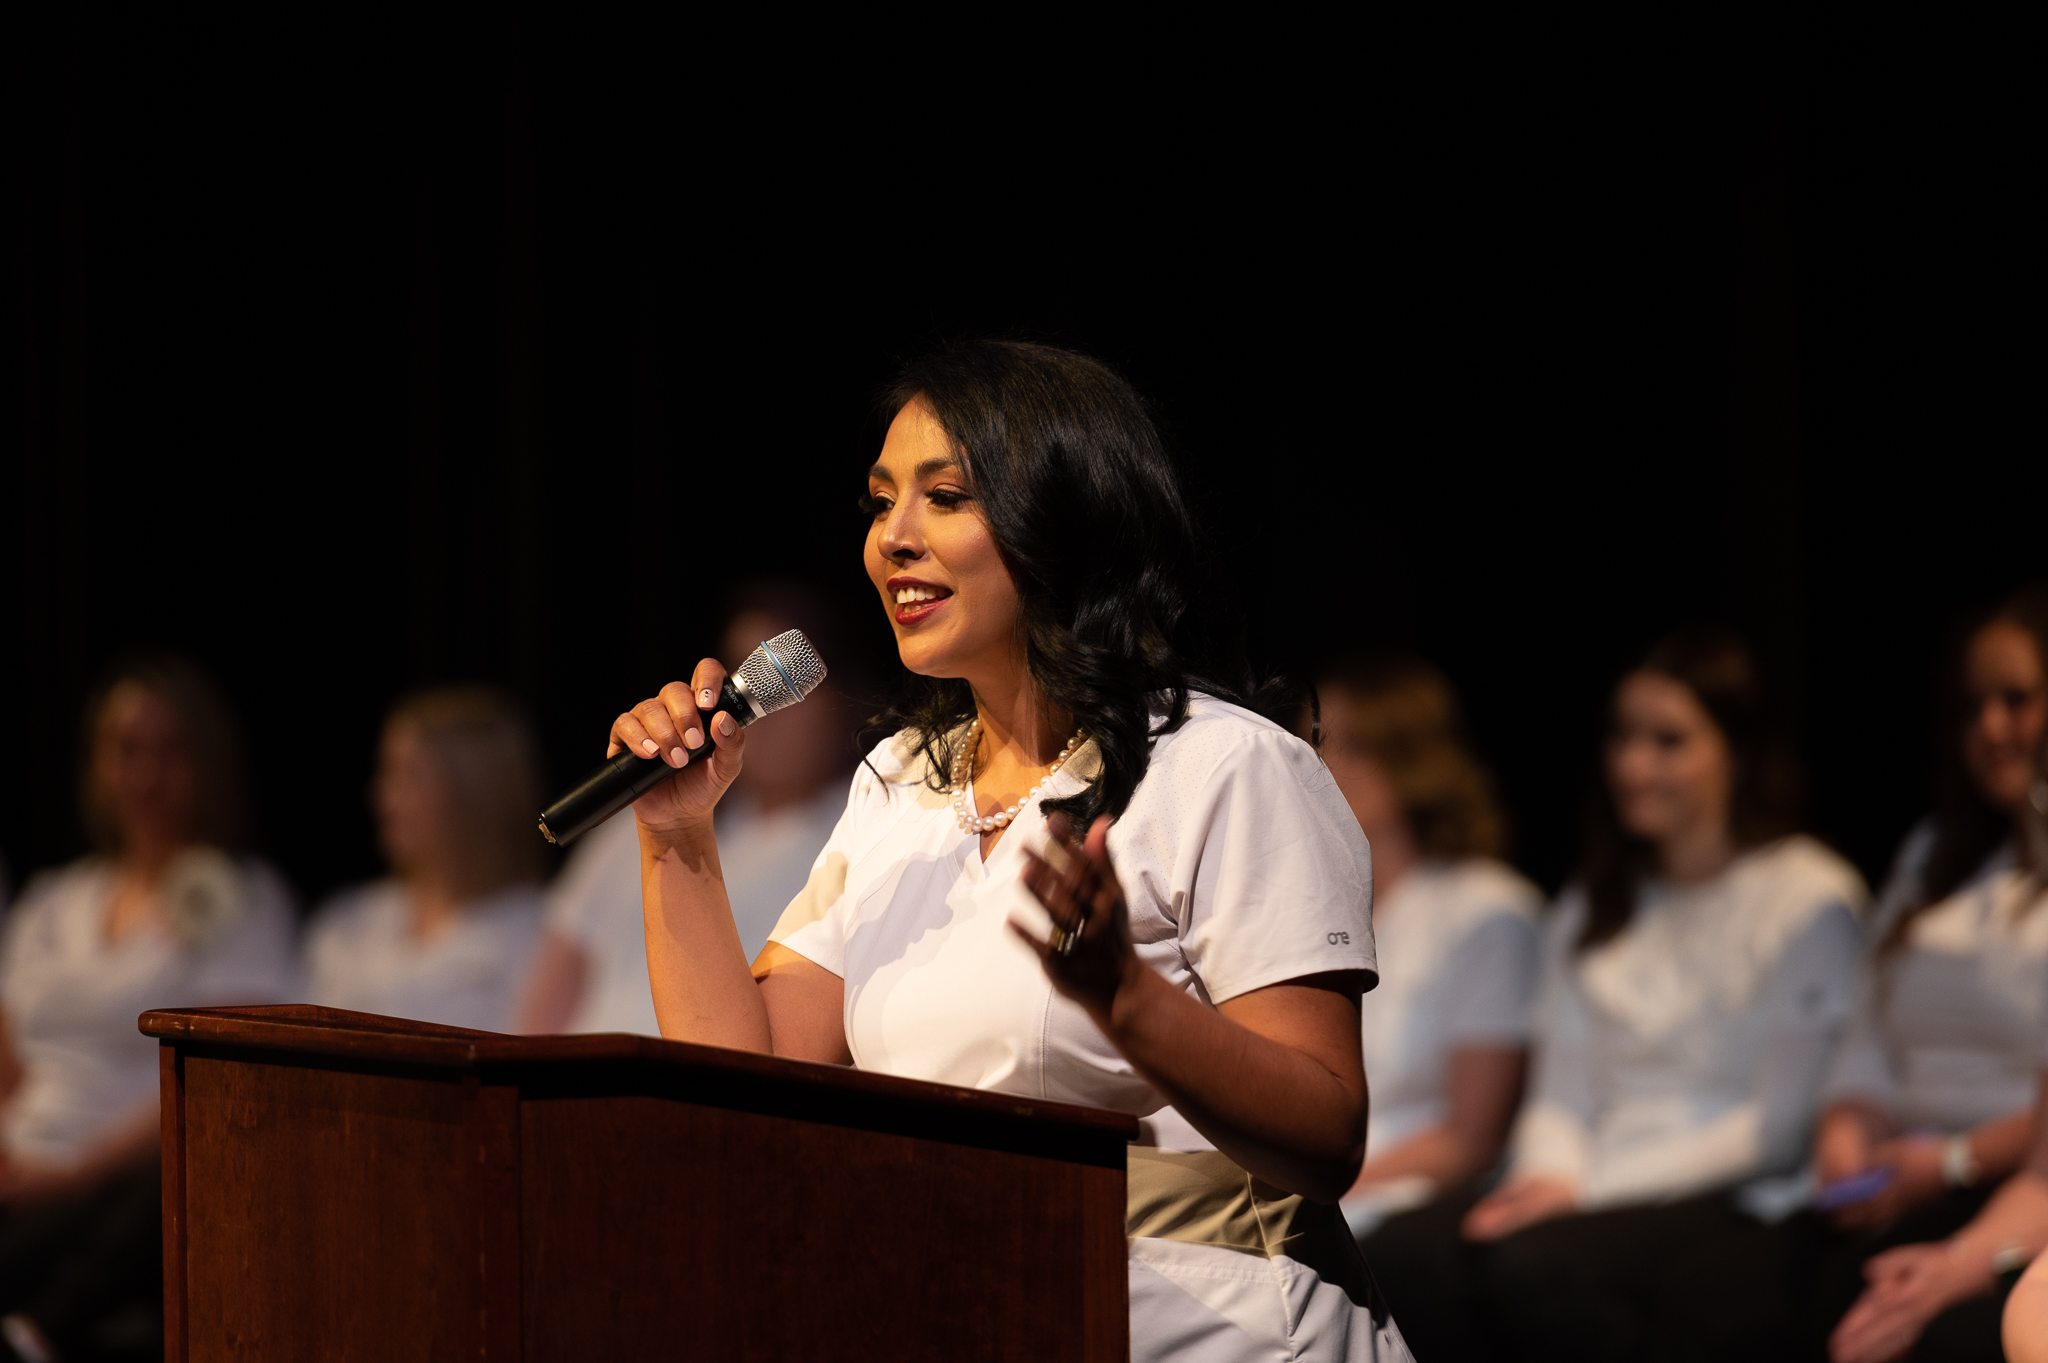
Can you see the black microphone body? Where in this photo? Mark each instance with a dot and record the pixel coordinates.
(625, 778)
(781, 672)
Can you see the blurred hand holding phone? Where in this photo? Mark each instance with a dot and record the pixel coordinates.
(1859, 1187)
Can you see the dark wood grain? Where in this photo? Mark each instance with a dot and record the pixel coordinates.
(494, 1193)
(758, 1237)
(327, 1215)
(171, 1075)
(353, 1187)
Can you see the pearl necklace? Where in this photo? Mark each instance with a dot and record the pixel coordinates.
(974, 823)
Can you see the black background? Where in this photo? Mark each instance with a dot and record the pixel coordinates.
(352, 354)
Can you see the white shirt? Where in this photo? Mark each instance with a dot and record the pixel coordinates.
(361, 955)
(1458, 953)
(595, 902)
(1947, 1032)
(1240, 861)
(1242, 867)
(767, 857)
(72, 1000)
(1686, 1053)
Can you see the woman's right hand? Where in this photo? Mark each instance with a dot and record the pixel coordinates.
(1519, 1203)
(1842, 1144)
(669, 727)
(1847, 1143)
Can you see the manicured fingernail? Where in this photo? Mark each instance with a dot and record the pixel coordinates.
(694, 738)
(678, 755)
(726, 725)
(706, 698)
(649, 746)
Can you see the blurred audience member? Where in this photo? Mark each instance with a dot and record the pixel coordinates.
(167, 913)
(1446, 1031)
(448, 938)
(590, 974)
(1695, 978)
(1933, 1092)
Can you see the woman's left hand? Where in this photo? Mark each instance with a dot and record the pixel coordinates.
(1915, 1164)
(1909, 1286)
(1091, 955)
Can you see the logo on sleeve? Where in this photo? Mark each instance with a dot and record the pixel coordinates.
(1339, 939)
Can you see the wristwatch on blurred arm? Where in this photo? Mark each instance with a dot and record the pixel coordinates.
(1959, 1167)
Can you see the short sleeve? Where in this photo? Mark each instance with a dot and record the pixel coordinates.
(254, 962)
(1274, 878)
(1490, 978)
(814, 924)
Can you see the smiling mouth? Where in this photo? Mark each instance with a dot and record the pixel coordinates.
(915, 601)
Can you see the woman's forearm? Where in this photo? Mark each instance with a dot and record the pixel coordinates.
(2013, 1224)
(2000, 1145)
(1437, 1153)
(703, 989)
(1277, 1111)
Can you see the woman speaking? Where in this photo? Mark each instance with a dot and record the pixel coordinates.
(1084, 867)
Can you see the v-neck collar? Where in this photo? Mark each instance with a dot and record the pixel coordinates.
(1055, 787)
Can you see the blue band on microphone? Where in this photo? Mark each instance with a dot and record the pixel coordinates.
(769, 654)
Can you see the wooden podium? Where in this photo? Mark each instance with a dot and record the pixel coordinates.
(344, 1186)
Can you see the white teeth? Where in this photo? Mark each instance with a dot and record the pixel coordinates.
(906, 595)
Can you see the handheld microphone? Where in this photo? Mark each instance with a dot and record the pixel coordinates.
(775, 676)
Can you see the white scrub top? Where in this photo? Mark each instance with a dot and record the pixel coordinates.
(1948, 1028)
(361, 954)
(1243, 868)
(595, 902)
(1687, 1052)
(1460, 949)
(71, 999)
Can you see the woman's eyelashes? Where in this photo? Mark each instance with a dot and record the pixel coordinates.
(945, 499)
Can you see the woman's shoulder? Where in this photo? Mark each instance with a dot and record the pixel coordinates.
(56, 906)
(1217, 733)
(899, 759)
(358, 909)
(1799, 871)
(62, 889)
(1477, 888)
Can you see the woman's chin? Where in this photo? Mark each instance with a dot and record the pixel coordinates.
(926, 661)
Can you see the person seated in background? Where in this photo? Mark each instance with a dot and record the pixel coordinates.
(1932, 1095)
(167, 913)
(447, 938)
(1446, 1033)
(590, 973)
(1696, 976)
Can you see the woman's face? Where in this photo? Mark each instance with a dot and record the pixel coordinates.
(2005, 704)
(143, 769)
(1667, 761)
(943, 582)
(410, 798)
(1362, 780)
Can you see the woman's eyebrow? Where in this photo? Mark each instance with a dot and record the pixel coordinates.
(936, 464)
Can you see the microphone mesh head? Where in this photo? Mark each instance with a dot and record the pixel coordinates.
(782, 671)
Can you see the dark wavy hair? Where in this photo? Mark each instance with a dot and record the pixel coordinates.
(1967, 828)
(1085, 505)
(1768, 789)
